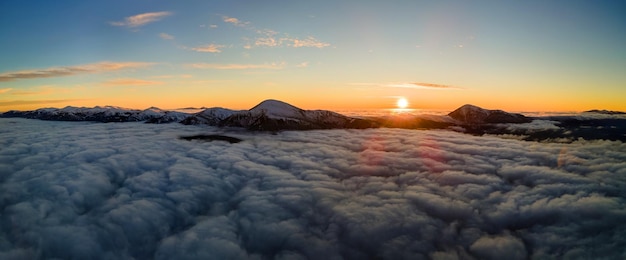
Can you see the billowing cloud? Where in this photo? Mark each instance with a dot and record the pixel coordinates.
(213, 48)
(166, 36)
(70, 70)
(272, 66)
(135, 190)
(131, 82)
(141, 19)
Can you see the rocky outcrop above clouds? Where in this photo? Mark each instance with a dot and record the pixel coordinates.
(470, 114)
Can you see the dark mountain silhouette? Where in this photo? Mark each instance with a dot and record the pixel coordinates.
(606, 112)
(470, 114)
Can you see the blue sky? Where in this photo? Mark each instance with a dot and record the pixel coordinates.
(530, 55)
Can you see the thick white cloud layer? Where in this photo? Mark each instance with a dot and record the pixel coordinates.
(131, 190)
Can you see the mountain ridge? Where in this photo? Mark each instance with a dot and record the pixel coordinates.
(274, 115)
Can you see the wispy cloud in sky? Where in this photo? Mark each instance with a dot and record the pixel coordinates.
(413, 85)
(309, 42)
(268, 39)
(183, 76)
(235, 21)
(28, 92)
(272, 38)
(131, 82)
(166, 36)
(430, 85)
(274, 66)
(213, 48)
(5, 90)
(41, 90)
(70, 70)
(141, 19)
(34, 102)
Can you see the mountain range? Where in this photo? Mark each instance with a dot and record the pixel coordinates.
(270, 115)
(275, 115)
(100, 114)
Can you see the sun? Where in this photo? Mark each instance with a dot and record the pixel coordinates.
(402, 103)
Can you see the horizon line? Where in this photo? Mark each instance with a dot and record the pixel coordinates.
(345, 109)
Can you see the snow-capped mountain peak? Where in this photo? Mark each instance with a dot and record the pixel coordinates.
(277, 115)
(209, 116)
(470, 113)
(277, 109)
(102, 114)
(154, 109)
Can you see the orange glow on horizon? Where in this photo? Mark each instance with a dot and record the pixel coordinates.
(341, 99)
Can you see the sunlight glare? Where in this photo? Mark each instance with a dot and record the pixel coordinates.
(402, 103)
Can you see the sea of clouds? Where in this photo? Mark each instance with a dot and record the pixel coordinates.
(79, 190)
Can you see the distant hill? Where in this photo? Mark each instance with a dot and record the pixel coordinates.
(605, 112)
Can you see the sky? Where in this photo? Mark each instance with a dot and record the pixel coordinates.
(512, 55)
